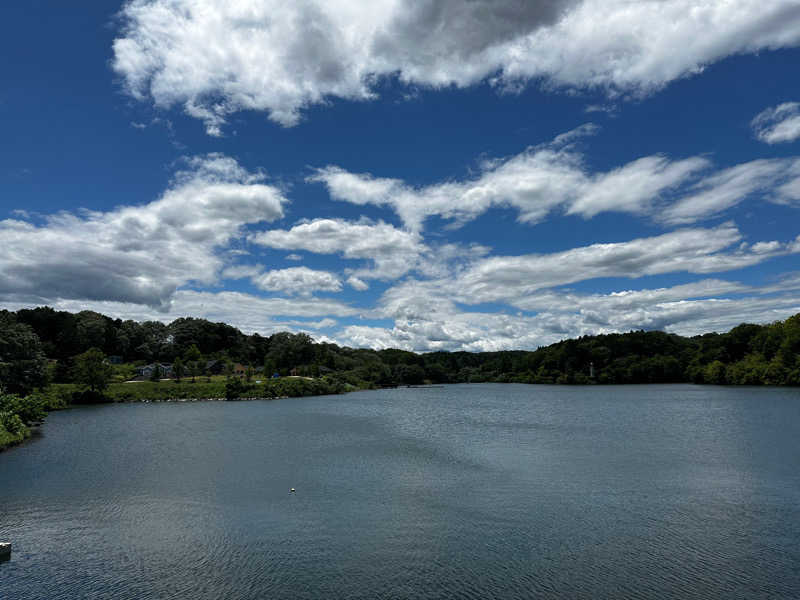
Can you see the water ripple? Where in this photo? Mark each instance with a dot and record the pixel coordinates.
(468, 492)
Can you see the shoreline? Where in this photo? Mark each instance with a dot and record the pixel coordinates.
(35, 430)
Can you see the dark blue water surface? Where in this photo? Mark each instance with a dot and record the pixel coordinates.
(467, 491)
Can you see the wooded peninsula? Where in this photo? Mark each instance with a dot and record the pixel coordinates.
(51, 359)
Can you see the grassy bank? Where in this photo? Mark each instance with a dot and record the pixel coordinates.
(18, 413)
(60, 395)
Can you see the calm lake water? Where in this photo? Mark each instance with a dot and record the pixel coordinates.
(467, 491)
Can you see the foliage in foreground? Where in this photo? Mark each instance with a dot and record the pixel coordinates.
(17, 414)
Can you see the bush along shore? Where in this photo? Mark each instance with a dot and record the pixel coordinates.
(19, 414)
(218, 389)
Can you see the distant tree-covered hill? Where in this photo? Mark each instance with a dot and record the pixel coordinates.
(748, 354)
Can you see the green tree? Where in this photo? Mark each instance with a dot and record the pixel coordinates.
(228, 370)
(409, 374)
(269, 367)
(91, 329)
(194, 359)
(235, 388)
(715, 373)
(290, 350)
(23, 365)
(92, 370)
(155, 376)
(177, 368)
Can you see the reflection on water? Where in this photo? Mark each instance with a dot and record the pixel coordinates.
(470, 491)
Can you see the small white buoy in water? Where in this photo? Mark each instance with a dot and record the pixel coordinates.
(291, 490)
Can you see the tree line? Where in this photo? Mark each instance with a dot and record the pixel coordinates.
(43, 345)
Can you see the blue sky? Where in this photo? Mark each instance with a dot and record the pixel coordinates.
(425, 175)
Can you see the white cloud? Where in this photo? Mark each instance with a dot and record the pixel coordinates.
(636, 187)
(298, 280)
(528, 282)
(393, 252)
(777, 179)
(139, 254)
(574, 135)
(293, 257)
(311, 325)
(357, 284)
(426, 318)
(688, 250)
(778, 124)
(477, 331)
(552, 177)
(789, 192)
(627, 302)
(242, 271)
(389, 252)
(216, 57)
(429, 314)
(534, 182)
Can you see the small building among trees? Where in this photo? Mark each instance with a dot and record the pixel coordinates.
(146, 372)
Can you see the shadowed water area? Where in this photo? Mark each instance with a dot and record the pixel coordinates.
(465, 491)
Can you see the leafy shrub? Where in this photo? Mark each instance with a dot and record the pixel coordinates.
(235, 388)
(11, 423)
(30, 409)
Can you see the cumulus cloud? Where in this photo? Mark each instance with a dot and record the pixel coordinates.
(553, 177)
(357, 284)
(533, 282)
(138, 254)
(387, 252)
(446, 313)
(479, 331)
(298, 280)
(426, 318)
(778, 124)
(216, 57)
(242, 271)
(534, 183)
(391, 251)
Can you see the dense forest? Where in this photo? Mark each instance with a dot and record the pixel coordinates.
(41, 345)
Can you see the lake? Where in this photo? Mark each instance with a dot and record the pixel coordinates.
(463, 491)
